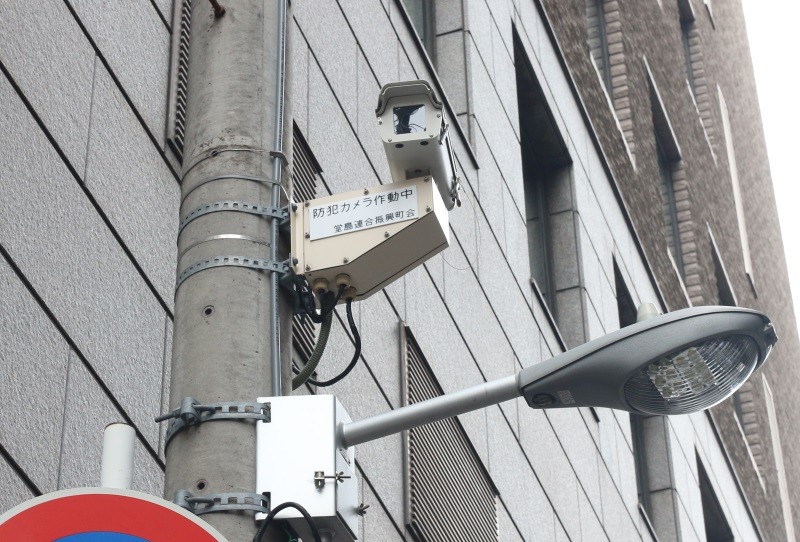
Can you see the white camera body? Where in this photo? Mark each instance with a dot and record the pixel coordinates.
(414, 131)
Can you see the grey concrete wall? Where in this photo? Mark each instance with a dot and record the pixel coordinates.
(87, 231)
(88, 221)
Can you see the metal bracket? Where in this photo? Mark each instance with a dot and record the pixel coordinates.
(260, 264)
(191, 412)
(281, 156)
(238, 206)
(320, 477)
(221, 502)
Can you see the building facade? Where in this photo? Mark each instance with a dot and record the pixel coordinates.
(611, 153)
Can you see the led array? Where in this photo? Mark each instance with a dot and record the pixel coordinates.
(681, 375)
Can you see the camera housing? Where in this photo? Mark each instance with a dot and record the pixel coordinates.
(414, 131)
(373, 236)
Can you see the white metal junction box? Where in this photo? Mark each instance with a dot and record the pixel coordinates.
(374, 235)
(299, 460)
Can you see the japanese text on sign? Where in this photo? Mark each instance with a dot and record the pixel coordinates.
(368, 211)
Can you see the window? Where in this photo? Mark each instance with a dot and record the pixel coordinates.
(716, 525)
(421, 14)
(672, 181)
(737, 196)
(439, 455)
(670, 210)
(744, 410)
(687, 53)
(690, 39)
(694, 67)
(627, 316)
(625, 306)
(598, 40)
(744, 399)
(607, 54)
(725, 295)
(546, 169)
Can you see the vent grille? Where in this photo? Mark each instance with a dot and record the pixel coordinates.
(305, 169)
(305, 172)
(181, 25)
(449, 490)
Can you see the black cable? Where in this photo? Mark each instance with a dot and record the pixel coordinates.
(326, 305)
(311, 524)
(356, 355)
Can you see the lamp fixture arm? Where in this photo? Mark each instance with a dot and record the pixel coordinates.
(432, 410)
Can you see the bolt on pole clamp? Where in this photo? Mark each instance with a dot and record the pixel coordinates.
(191, 412)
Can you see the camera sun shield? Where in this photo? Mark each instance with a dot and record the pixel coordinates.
(415, 136)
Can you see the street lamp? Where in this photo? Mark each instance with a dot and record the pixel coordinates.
(677, 363)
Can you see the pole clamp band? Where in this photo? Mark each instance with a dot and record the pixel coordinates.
(259, 264)
(221, 502)
(238, 206)
(191, 413)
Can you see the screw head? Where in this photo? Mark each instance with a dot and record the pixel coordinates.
(294, 207)
(295, 261)
(307, 235)
(386, 234)
(308, 204)
(345, 260)
(438, 115)
(308, 268)
(429, 135)
(543, 400)
(380, 121)
(428, 209)
(366, 191)
(390, 140)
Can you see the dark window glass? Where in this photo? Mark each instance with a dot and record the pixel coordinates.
(670, 209)
(725, 294)
(686, 27)
(598, 39)
(627, 316)
(421, 14)
(546, 171)
(716, 525)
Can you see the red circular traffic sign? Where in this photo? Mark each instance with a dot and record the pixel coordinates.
(95, 514)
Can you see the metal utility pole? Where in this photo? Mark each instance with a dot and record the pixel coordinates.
(228, 325)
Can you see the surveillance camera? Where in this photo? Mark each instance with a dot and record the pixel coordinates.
(415, 136)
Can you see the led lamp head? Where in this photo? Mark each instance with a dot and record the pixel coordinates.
(693, 379)
(677, 363)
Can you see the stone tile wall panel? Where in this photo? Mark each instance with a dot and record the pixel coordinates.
(31, 382)
(119, 329)
(14, 489)
(55, 75)
(117, 30)
(133, 185)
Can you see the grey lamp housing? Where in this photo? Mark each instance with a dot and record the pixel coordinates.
(677, 363)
